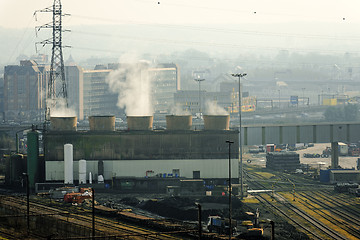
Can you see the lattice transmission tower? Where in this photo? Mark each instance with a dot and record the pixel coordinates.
(56, 90)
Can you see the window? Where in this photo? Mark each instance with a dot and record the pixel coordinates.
(196, 174)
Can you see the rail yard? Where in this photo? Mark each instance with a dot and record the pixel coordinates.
(315, 210)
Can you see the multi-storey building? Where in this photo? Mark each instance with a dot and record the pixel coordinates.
(98, 99)
(88, 91)
(25, 91)
(211, 102)
(75, 89)
(165, 82)
(2, 98)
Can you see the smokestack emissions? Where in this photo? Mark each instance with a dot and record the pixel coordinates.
(60, 109)
(211, 108)
(132, 83)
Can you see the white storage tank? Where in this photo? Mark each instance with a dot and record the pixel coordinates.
(68, 164)
(82, 171)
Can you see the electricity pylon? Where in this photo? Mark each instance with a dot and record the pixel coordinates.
(56, 92)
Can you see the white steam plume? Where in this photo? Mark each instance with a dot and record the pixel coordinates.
(132, 83)
(211, 108)
(59, 108)
(177, 110)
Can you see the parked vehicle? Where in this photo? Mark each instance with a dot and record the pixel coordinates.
(78, 197)
(220, 225)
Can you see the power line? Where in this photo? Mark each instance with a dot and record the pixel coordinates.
(198, 43)
(225, 30)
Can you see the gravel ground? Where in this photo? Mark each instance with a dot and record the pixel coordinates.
(344, 161)
(322, 163)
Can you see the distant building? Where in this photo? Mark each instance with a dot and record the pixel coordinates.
(75, 89)
(25, 91)
(98, 99)
(188, 102)
(40, 59)
(88, 92)
(1, 98)
(165, 82)
(212, 102)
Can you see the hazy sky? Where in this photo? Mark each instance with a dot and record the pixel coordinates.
(18, 13)
(226, 25)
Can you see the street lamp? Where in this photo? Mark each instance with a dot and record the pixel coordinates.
(230, 232)
(199, 80)
(279, 97)
(27, 203)
(240, 75)
(303, 96)
(93, 212)
(199, 220)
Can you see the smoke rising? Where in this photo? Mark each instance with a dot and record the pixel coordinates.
(132, 84)
(177, 110)
(59, 108)
(211, 108)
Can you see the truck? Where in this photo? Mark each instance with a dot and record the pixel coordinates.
(78, 197)
(220, 225)
(270, 147)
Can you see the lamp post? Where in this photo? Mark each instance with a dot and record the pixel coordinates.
(199, 220)
(93, 212)
(199, 80)
(303, 96)
(240, 75)
(230, 229)
(279, 97)
(27, 203)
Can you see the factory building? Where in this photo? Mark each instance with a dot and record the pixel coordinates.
(140, 152)
(281, 161)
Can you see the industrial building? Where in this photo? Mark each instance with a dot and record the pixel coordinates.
(281, 161)
(340, 176)
(138, 153)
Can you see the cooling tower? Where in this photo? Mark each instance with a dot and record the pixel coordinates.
(140, 122)
(63, 123)
(216, 122)
(102, 123)
(178, 122)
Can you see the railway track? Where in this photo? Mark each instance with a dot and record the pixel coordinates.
(105, 227)
(284, 207)
(340, 200)
(336, 216)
